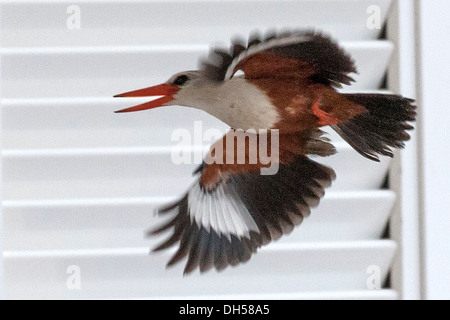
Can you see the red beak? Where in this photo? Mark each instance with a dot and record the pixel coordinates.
(166, 90)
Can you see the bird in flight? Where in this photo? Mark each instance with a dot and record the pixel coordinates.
(281, 84)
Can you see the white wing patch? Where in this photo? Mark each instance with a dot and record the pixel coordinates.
(264, 46)
(222, 211)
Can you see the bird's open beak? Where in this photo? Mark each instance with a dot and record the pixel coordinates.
(166, 90)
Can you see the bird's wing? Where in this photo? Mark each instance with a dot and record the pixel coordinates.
(244, 211)
(308, 53)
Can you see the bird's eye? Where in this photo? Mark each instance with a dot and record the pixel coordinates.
(181, 80)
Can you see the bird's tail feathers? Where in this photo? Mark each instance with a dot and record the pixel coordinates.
(383, 127)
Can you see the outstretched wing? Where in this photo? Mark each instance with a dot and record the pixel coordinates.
(309, 54)
(226, 226)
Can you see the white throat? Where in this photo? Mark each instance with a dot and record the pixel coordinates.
(236, 102)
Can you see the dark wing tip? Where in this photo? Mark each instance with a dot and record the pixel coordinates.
(290, 194)
(333, 63)
(205, 249)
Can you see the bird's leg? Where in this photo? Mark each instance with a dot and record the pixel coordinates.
(325, 119)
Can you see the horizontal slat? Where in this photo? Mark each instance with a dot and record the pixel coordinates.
(91, 123)
(91, 173)
(127, 22)
(109, 223)
(105, 72)
(132, 273)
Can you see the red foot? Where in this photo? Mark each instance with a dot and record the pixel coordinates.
(325, 119)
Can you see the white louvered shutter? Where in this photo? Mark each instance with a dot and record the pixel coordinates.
(80, 183)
